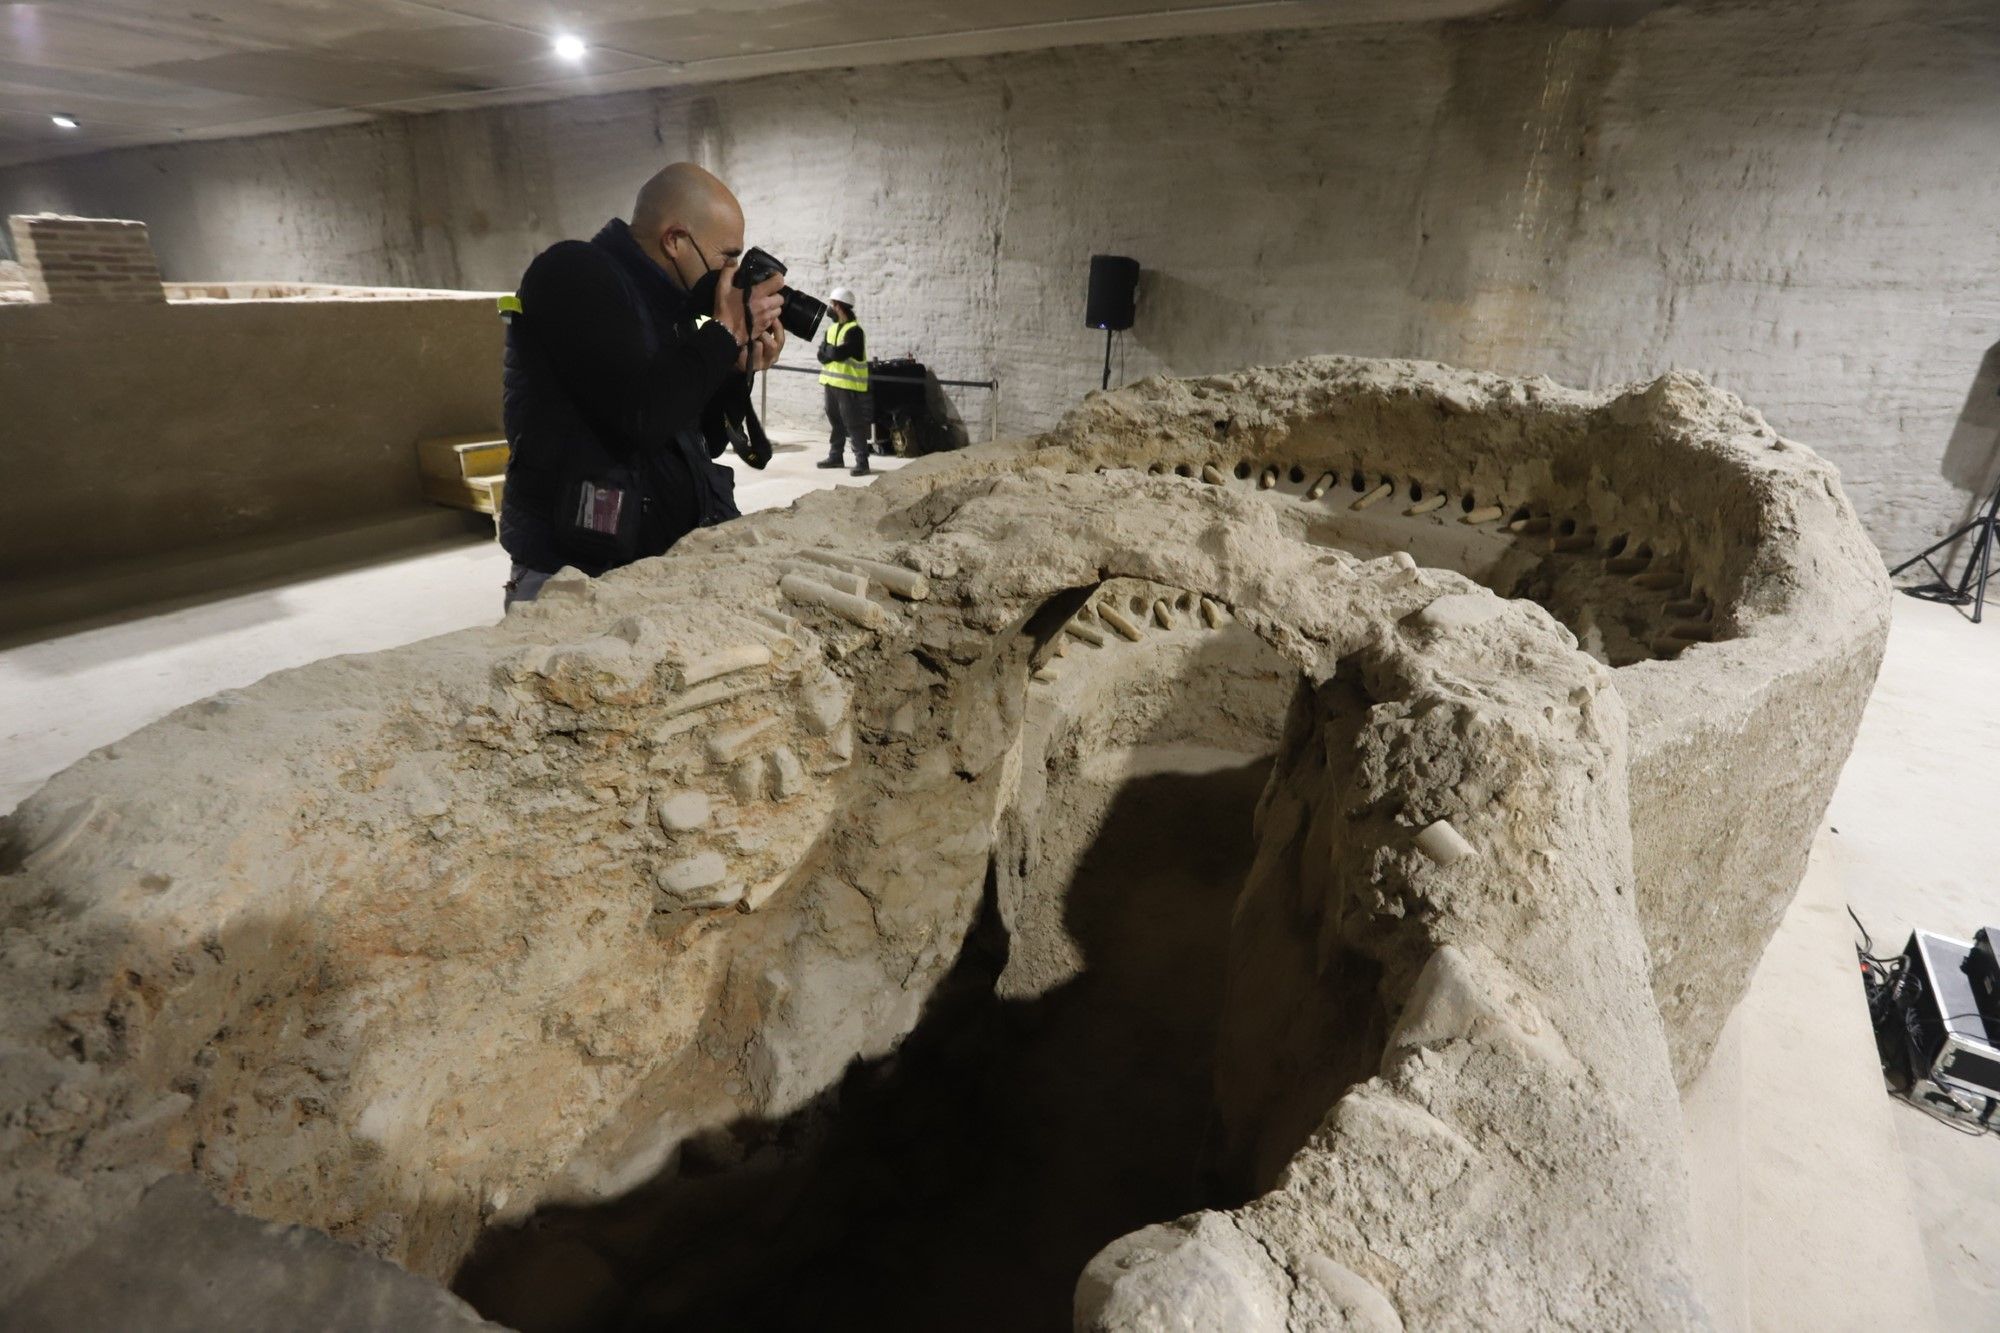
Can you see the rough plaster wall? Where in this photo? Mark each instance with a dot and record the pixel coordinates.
(1794, 199)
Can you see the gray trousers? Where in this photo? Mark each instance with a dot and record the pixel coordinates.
(848, 411)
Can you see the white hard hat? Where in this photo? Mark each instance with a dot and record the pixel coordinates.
(844, 295)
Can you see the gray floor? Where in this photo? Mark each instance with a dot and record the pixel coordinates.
(1840, 1178)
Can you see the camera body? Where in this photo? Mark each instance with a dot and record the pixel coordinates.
(801, 314)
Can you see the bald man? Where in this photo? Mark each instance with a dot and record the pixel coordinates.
(625, 379)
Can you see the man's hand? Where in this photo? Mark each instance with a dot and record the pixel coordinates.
(764, 349)
(765, 306)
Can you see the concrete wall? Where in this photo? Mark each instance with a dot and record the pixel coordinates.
(142, 432)
(1798, 200)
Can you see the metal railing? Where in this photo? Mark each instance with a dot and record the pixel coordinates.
(877, 377)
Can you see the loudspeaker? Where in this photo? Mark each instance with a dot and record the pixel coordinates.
(1114, 285)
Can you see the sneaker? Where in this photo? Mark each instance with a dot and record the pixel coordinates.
(835, 461)
(860, 470)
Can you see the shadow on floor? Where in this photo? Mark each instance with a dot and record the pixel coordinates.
(963, 1182)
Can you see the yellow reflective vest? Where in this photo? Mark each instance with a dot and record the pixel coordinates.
(844, 374)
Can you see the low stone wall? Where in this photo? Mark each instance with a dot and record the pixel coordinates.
(140, 432)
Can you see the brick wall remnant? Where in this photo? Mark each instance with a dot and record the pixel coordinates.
(70, 260)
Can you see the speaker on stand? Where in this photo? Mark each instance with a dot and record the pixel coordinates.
(1110, 303)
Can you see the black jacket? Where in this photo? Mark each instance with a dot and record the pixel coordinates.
(853, 348)
(608, 378)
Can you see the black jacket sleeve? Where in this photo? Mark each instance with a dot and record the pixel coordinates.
(852, 348)
(584, 321)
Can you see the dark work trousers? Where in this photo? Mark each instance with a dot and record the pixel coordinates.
(847, 410)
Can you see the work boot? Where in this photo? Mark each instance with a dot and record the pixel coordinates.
(834, 461)
(860, 469)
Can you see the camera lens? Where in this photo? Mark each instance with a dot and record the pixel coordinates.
(802, 313)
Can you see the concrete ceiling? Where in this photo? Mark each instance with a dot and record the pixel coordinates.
(151, 71)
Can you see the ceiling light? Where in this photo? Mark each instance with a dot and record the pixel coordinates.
(64, 122)
(570, 46)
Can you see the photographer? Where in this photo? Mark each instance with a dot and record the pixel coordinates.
(626, 377)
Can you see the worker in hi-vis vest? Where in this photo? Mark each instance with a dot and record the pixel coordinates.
(843, 357)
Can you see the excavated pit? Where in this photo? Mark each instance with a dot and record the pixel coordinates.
(1059, 1089)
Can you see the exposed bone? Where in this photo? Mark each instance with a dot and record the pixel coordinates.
(1532, 526)
(847, 606)
(1268, 480)
(1426, 505)
(843, 580)
(726, 746)
(707, 696)
(1484, 514)
(908, 584)
(1694, 630)
(1048, 675)
(1687, 608)
(1381, 492)
(1163, 613)
(1090, 634)
(1660, 580)
(781, 624)
(1443, 844)
(1319, 487)
(1627, 564)
(1211, 614)
(1115, 618)
(1577, 543)
(741, 657)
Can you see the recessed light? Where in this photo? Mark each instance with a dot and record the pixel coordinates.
(570, 46)
(64, 122)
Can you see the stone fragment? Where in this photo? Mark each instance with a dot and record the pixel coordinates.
(680, 810)
(689, 875)
(823, 702)
(749, 778)
(788, 774)
(1443, 844)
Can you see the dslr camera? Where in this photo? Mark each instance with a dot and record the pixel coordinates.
(801, 314)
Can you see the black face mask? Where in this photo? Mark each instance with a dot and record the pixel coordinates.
(702, 295)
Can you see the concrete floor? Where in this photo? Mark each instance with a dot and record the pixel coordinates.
(1822, 1202)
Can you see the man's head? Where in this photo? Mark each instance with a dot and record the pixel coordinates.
(688, 222)
(842, 302)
